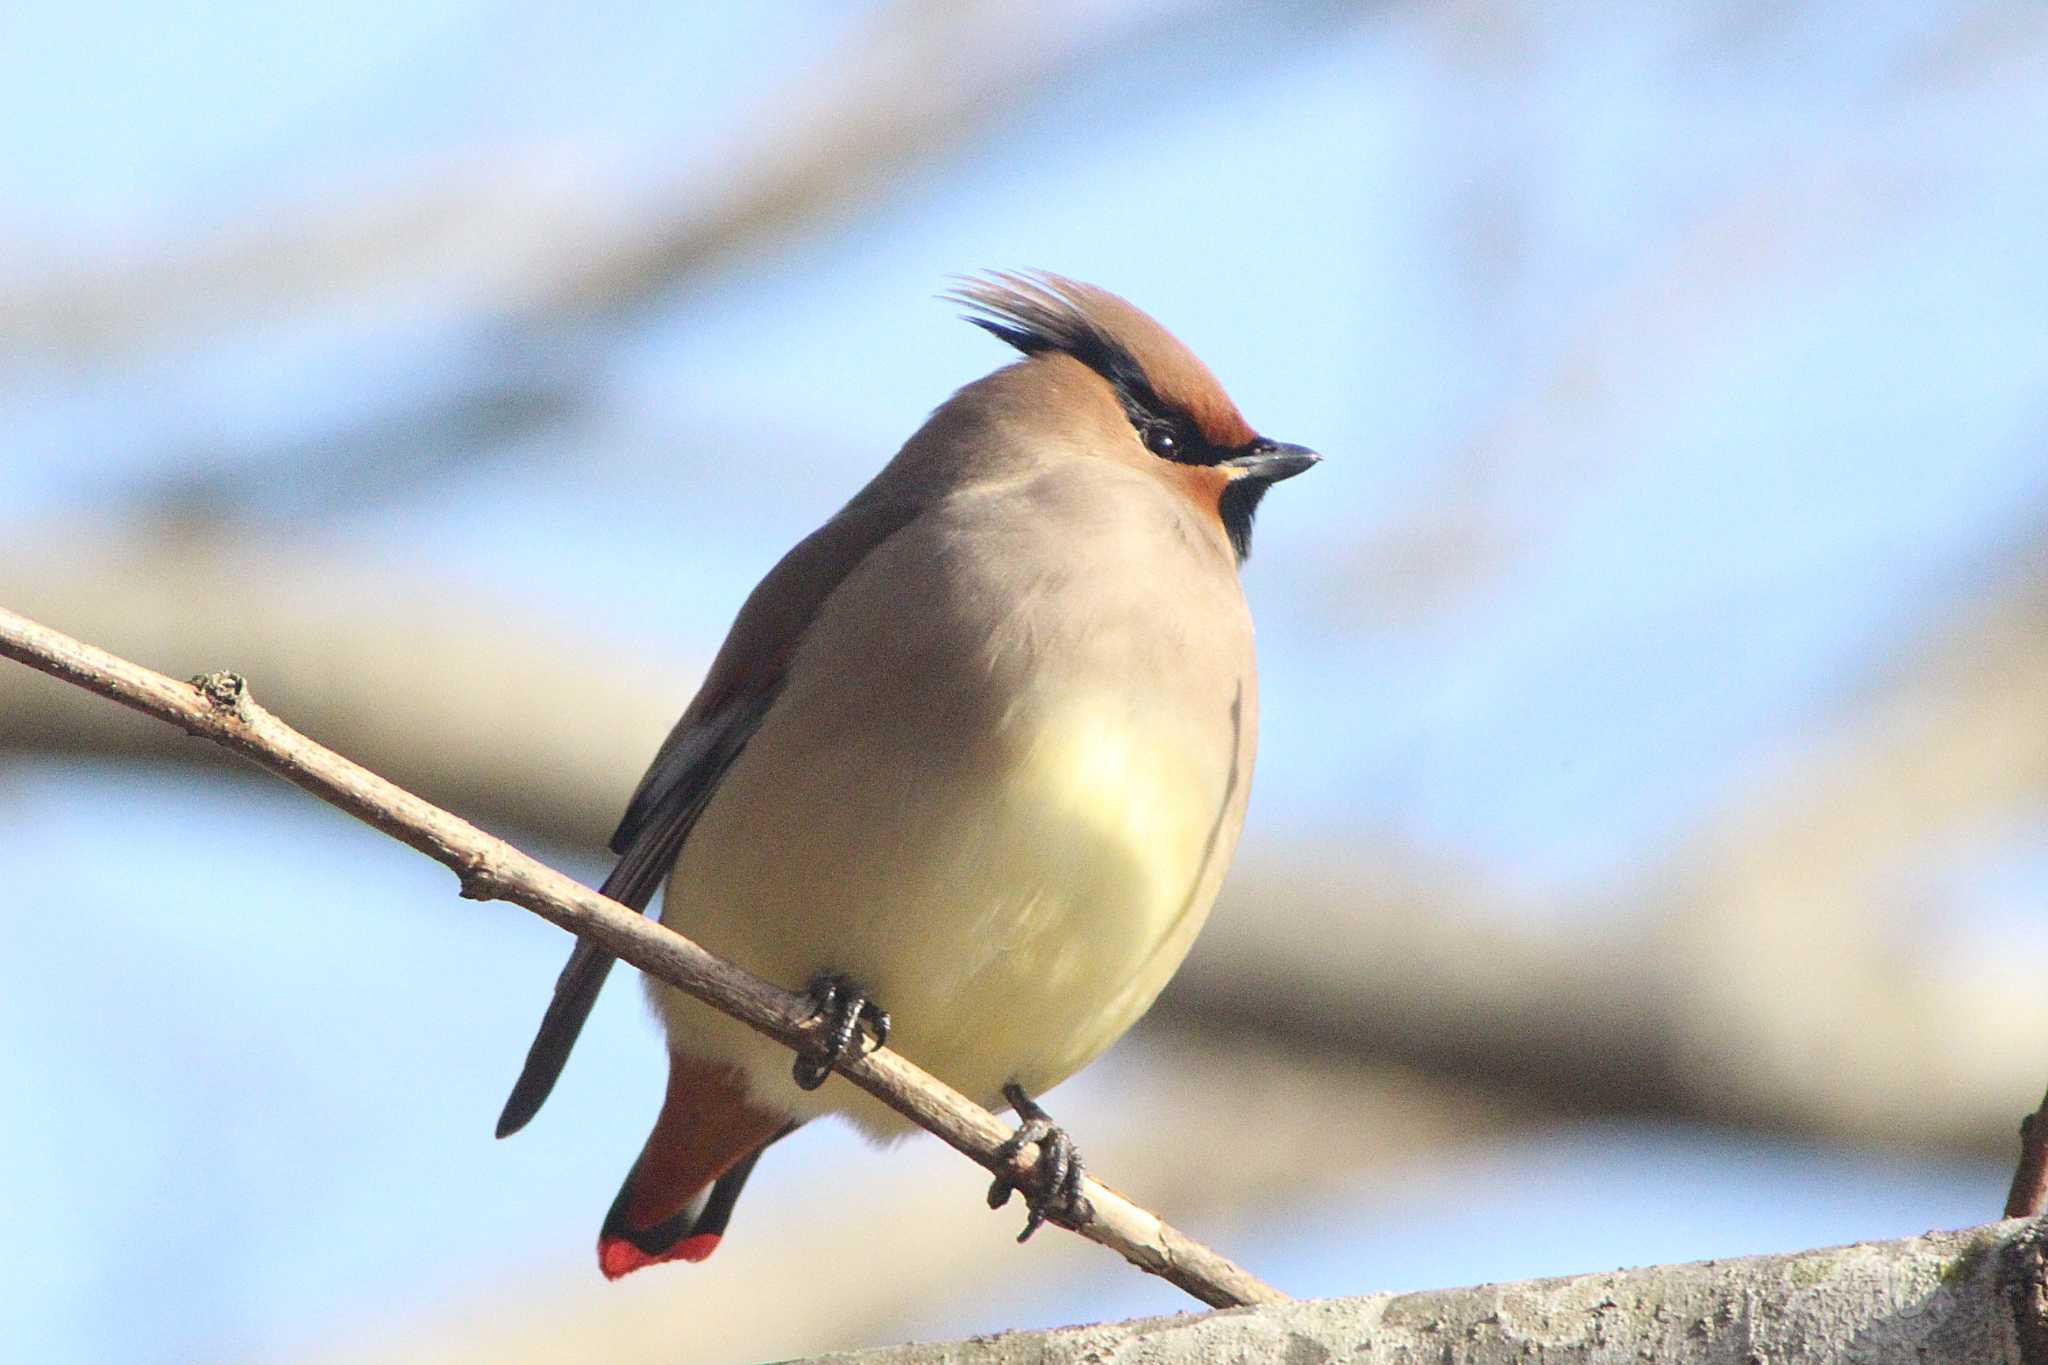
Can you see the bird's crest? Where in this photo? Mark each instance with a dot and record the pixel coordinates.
(1154, 375)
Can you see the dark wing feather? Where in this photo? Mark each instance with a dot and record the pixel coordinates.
(671, 796)
(739, 689)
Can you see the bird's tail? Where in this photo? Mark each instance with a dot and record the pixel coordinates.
(679, 1195)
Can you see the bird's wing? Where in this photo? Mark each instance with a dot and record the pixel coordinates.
(671, 797)
(738, 692)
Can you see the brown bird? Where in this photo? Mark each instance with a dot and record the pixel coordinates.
(978, 749)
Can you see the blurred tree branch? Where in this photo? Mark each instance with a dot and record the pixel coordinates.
(1753, 991)
(548, 251)
(533, 276)
(1747, 979)
(218, 707)
(542, 250)
(505, 723)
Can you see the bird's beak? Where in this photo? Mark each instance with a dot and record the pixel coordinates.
(1271, 461)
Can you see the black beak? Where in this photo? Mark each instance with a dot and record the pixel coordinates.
(1268, 462)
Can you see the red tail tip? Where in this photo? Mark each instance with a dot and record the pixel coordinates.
(617, 1256)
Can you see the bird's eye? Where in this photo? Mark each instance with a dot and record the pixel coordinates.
(1162, 442)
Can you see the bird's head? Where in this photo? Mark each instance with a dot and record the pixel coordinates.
(1096, 363)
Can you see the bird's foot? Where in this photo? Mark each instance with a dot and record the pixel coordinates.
(845, 1005)
(1055, 1193)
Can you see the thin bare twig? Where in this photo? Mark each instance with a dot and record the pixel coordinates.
(2029, 1195)
(218, 707)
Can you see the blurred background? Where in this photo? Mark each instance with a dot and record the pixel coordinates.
(1647, 855)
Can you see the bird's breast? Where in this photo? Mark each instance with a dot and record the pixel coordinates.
(1003, 803)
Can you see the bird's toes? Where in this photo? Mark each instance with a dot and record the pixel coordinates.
(877, 1019)
(844, 1005)
(1053, 1193)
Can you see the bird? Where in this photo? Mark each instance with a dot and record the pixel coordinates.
(967, 770)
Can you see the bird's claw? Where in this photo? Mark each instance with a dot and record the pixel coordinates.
(844, 1003)
(1055, 1195)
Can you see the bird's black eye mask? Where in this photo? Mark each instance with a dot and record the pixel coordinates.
(1166, 430)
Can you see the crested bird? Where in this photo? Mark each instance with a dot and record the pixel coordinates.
(968, 769)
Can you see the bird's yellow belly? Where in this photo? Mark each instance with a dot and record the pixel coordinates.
(1014, 909)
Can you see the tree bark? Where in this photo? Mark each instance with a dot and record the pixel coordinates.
(1975, 1297)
